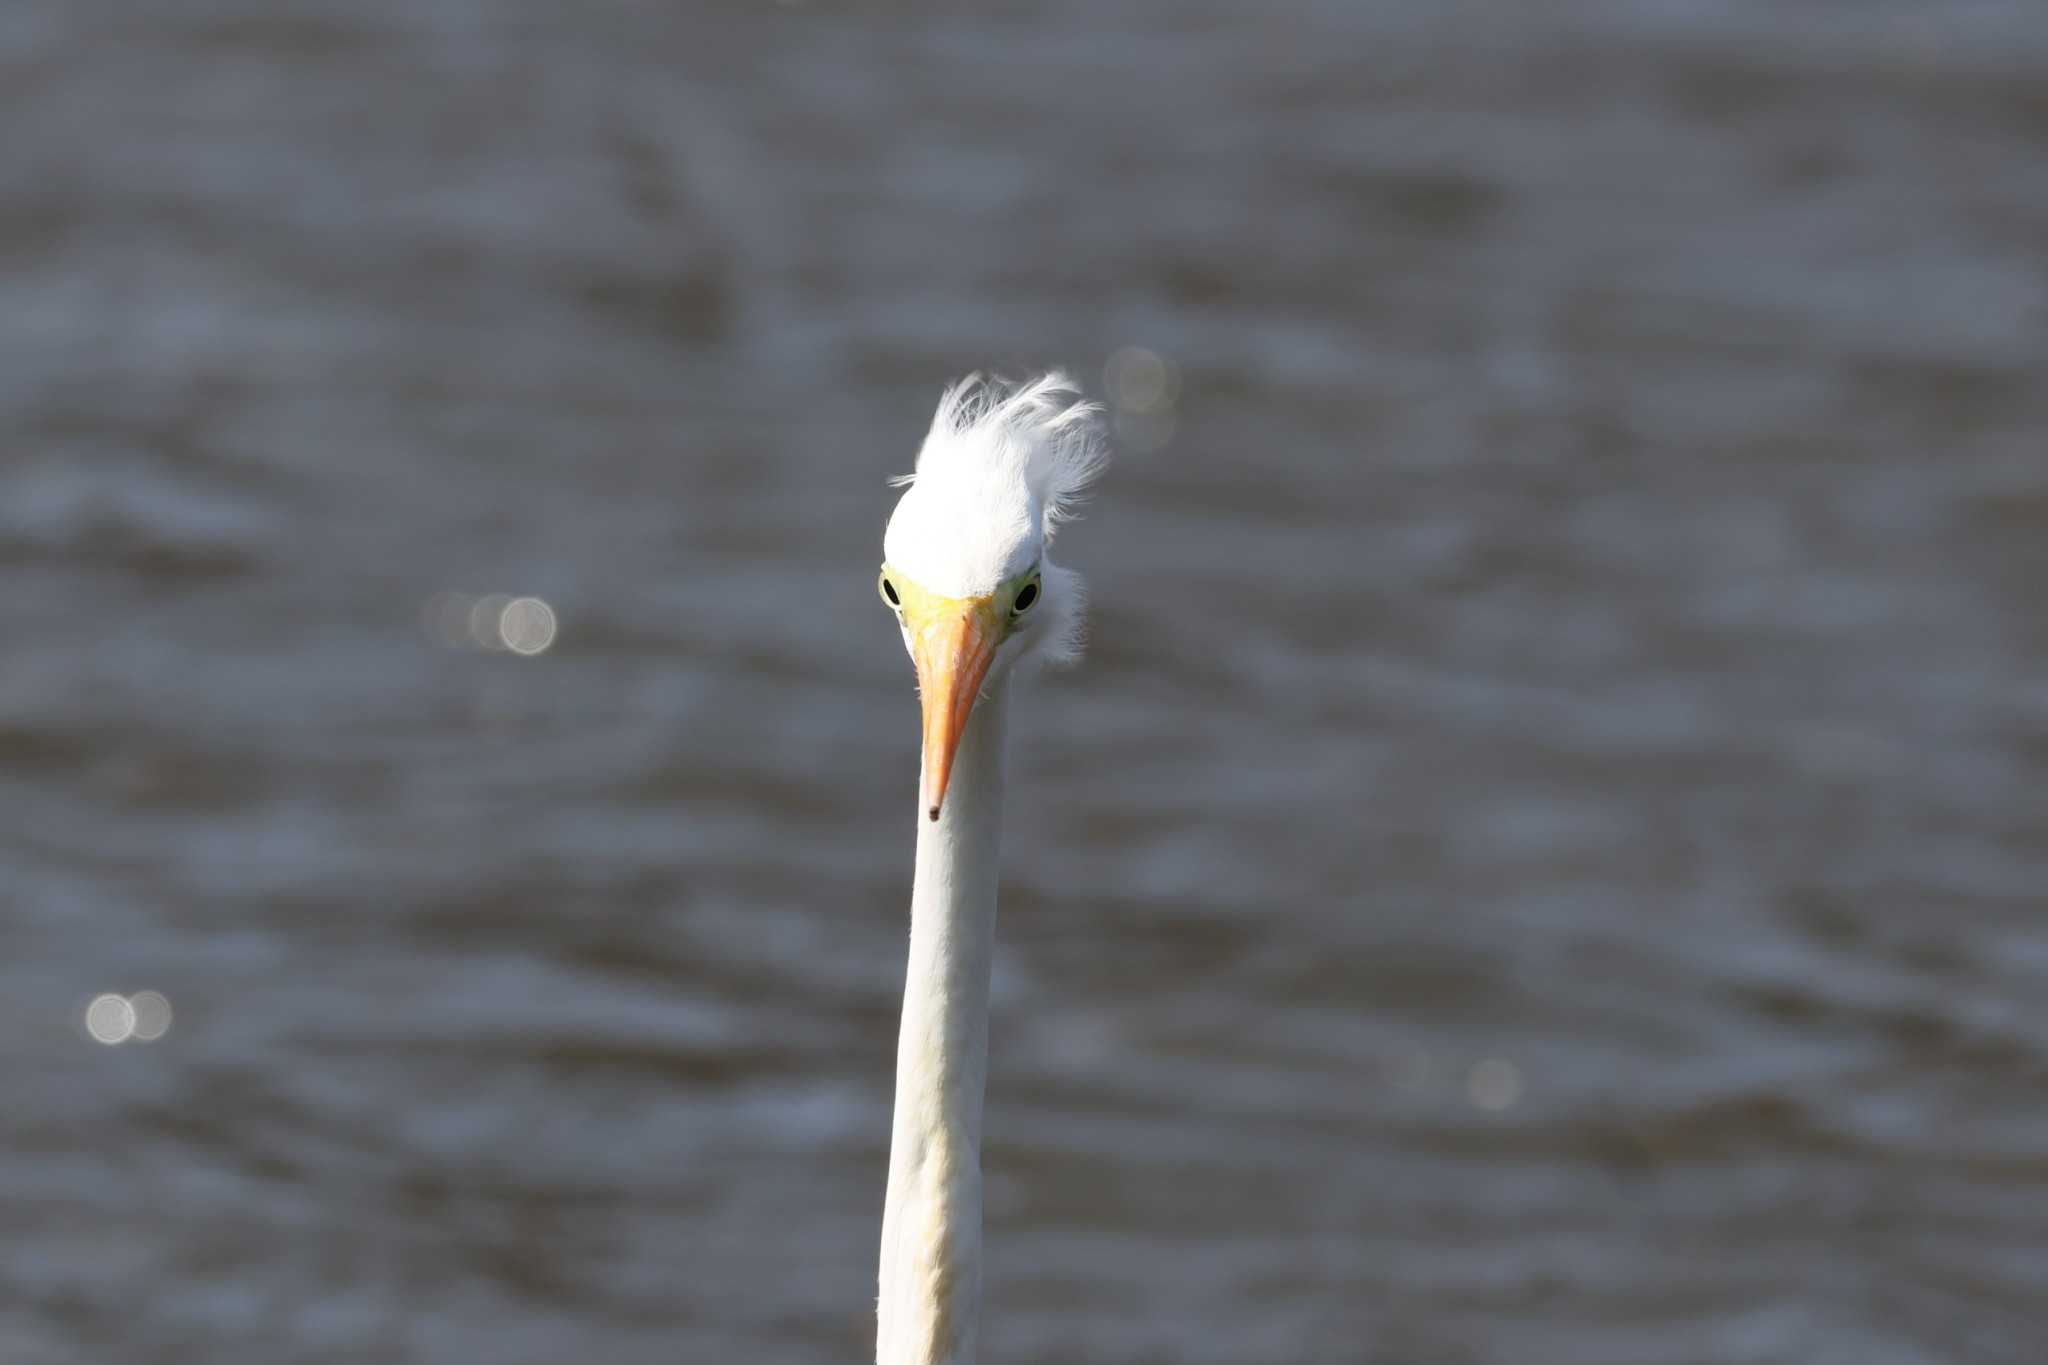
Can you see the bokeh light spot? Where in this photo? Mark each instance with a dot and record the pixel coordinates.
(484, 615)
(1140, 380)
(1494, 1084)
(1143, 388)
(110, 1019)
(152, 1015)
(495, 621)
(526, 625)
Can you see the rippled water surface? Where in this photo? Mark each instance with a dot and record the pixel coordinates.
(1544, 862)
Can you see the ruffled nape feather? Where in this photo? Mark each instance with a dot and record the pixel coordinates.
(1042, 432)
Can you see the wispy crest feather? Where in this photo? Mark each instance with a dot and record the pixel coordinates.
(1043, 431)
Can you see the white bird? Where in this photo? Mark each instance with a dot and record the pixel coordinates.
(966, 573)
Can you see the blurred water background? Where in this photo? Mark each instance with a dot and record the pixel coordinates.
(1544, 861)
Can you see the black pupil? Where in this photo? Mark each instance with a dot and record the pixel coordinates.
(1027, 597)
(889, 591)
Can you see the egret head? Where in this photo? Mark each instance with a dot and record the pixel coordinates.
(964, 563)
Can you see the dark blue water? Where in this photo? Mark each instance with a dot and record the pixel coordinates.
(1545, 861)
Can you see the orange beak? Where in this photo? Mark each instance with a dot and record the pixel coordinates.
(953, 644)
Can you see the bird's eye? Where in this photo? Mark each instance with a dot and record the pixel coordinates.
(889, 592)
(1026, 595)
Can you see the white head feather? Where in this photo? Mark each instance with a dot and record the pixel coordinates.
(1001, 468)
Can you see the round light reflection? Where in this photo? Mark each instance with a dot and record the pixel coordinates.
(1494, 1084)
(1141, 380)
(484, 615)
(110, 1019)
(526, 625)
(495, 621)
(152, 1015)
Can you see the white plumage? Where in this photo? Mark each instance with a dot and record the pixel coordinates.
(967, 575)
(1001, 468)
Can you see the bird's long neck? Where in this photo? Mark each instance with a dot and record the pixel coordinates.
(931, 1225)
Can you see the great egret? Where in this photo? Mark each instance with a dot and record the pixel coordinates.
(965, 571)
